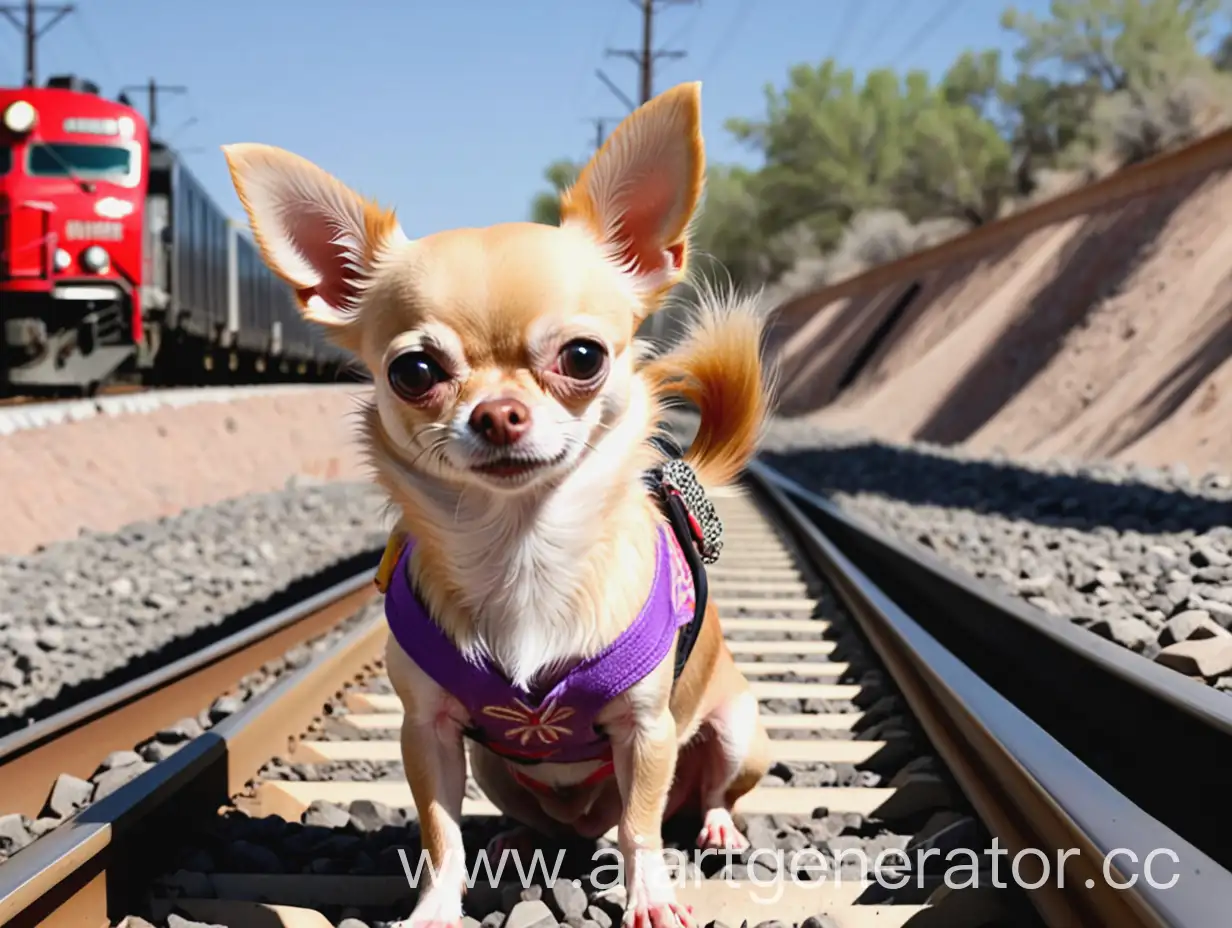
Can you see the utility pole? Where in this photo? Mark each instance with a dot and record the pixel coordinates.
(28, 26)
(645, 59)
(600, 123)
(152, 89)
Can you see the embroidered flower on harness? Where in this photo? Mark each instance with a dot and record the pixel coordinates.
(544, 724)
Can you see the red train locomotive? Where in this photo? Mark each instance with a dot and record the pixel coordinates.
(116, 265)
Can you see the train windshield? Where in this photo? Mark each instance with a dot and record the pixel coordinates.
(86, 162)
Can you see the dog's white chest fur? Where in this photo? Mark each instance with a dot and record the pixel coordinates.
(519, 568)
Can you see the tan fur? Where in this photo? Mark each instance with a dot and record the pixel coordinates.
(719, 370)
(580, 204)
(548, 568)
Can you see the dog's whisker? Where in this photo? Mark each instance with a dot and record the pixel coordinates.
(430, 448)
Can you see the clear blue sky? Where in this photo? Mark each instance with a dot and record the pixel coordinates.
(450, 110)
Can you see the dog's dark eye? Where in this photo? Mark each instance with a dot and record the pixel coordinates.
(582, 359)
(414, 374)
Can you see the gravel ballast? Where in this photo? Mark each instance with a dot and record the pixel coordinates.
(77, 612)
(1142, 557)
(363, 838)
(69, 794)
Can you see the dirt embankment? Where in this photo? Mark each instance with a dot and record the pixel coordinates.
(1106, 334)
(105, 472)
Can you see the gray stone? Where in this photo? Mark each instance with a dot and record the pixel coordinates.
(567, 898)
(1190, 624)
(326, 814)
(157, 751)
(372, 816)
(80, 610)
(40, 826)
(68, 794)
(531, 913)
(13, 833)
(1203, 657)
(120, 759)
(178, 921)
(184, 730)
(225, 706)
(1129, 632)
(598, 916)
(109, 781)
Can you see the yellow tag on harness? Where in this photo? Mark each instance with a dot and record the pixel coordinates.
(389, 560)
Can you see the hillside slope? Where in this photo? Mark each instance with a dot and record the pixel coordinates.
(1104, 335)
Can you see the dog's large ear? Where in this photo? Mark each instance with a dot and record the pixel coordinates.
(640, 190)
(313, 231)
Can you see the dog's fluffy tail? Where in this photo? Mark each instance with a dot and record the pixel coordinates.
(718, 368)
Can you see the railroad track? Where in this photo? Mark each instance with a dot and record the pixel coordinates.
(891, 753)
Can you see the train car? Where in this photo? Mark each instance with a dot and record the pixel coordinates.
(72, 184)
(117, 265)
(219, 312)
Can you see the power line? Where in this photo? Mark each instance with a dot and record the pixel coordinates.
(647, 55)
(28, 26)
(152, 89)
(917, 38)
(850, 18)
(728, 35)
(616, 91)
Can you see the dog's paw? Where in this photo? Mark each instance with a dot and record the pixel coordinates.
(652, 897)
(643, 914)
(720, 833)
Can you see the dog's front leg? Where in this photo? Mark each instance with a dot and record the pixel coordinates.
(643, 734)
(435, 762)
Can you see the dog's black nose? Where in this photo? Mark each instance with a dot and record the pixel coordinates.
(500, 422)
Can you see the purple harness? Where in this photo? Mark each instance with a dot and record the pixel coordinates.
(556, 726)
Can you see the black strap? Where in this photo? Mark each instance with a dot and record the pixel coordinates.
(678, 517)
(687, 637)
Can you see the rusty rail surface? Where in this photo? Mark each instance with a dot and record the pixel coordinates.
(76, 740)
(75, 874)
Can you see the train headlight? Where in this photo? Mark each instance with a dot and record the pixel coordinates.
(95, 259)
(62, 259)
(20, 116)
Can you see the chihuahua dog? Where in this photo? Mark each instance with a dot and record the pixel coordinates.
(538, 593)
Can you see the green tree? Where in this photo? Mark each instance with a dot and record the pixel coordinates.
(545, 207)
(1222, 57)
(1134, 75)
(834, 149)
(1039, 118)
(726, 235)
(1115, 45)
(831, 147)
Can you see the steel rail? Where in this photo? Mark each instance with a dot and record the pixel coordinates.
(92, 867)
(77, 739)
(1128, 718)
(1032, 793)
